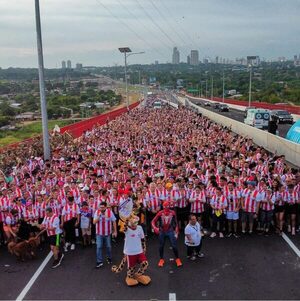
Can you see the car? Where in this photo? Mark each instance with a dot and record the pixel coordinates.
(247, 109)
(216, 105)
(223, 108)
(282, 116)
(207, 104)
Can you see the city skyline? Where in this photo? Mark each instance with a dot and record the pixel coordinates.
(79, 31)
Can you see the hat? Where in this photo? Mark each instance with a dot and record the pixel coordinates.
(253, 183)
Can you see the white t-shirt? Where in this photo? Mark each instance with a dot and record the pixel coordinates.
(195, 232)
(133, 243)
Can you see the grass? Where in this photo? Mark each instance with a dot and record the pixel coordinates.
(29, 130)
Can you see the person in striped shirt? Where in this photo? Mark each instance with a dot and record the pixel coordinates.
(267, 207)
(218, 203)
(51, 224)
(106, 226)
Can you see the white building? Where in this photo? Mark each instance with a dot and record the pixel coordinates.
(194, 57)
(175, 56)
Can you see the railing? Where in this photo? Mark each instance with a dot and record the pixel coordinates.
(264, 105)
(78, 128)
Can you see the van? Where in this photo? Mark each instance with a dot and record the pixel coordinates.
(258, 118)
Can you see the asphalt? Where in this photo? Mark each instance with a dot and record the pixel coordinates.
(239, 116)
(255, 267)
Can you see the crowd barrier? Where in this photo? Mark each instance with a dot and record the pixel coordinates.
(272, 143)
(77, 129)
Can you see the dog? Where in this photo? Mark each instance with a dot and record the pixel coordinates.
(24, 249)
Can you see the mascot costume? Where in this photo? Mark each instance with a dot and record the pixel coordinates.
(134, 246)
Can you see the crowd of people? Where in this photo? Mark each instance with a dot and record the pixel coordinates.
(207, 175)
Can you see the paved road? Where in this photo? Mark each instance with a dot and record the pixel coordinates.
(255, 267)
(239, 116)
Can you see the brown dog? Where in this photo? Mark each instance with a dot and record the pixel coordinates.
(24, 249)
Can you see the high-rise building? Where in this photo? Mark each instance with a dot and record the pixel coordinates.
(194, 57)
(156, 62)
(175, 56)
(78, 66)
(69, 64)
(63, 64)
(188, 60)
(217, 60)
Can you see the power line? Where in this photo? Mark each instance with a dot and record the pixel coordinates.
(156, 24)
(129, 28)
(145, 27)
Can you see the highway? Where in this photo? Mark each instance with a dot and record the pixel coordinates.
(239, 116)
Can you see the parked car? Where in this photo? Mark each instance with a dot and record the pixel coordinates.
(282, 116)
(247, 109)
(216, 105)
(207, 104)
(223, 108)
(258, 118)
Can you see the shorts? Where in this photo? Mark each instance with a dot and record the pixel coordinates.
(291, 209)
(279, 208)
(231, 215)
(133, 260)
(248, 217)
(86, 231)
(54, 240)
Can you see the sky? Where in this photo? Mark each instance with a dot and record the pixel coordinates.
(91, 31)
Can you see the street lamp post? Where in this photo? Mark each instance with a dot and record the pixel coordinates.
(127, 52)
(223, 86)
(206, 88)
(46, 144)
(250, 86)
(212, 88)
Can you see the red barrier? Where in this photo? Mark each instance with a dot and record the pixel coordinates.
(77, 129)
(257, 104)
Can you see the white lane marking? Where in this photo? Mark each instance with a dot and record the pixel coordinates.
(172, 297)
(34, 277)
(291, 244)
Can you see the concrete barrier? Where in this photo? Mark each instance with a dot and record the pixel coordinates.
(236, 107)
(272, 143)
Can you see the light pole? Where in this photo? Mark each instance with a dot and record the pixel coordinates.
(127, 52)
(212, 88)
(223, 87)
(46, 145)
(250, 85)
(206, 88)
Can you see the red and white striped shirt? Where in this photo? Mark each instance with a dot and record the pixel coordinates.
(219, 202)
(267, 203)
(70, 212)
(197, 201)
(41, 208)
(182, 201)
(290, 198)
(251, 198)
(4, 206)
(232, 199)
(31, 215)
(50, 223)
(152, 200)
(104, 225)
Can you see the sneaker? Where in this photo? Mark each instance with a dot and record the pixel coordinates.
(65, 248)
(67, 244)
(93, 242)
(72, 247)
(108, 260)
(193, 258)
(161, 262)
(99, 265)
(229, 234)
(243, 231)
(178, 262)
(55, 264)
(200, 255)
(221, 235)
(235, 235)
(213, 235)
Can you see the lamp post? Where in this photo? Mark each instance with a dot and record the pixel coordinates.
(250, 85)
(223, 87)
(127, 52)
(46, 144)
(212, 88)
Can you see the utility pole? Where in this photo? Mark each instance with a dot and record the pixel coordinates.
(250, 86)
(223, 86)
(212, 88)
(46, 144)
(206, 88)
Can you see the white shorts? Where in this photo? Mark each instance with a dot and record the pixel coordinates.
(232, 215)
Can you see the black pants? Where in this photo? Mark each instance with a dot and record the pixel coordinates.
(194, 249)
(69, 228)
(217, 219)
